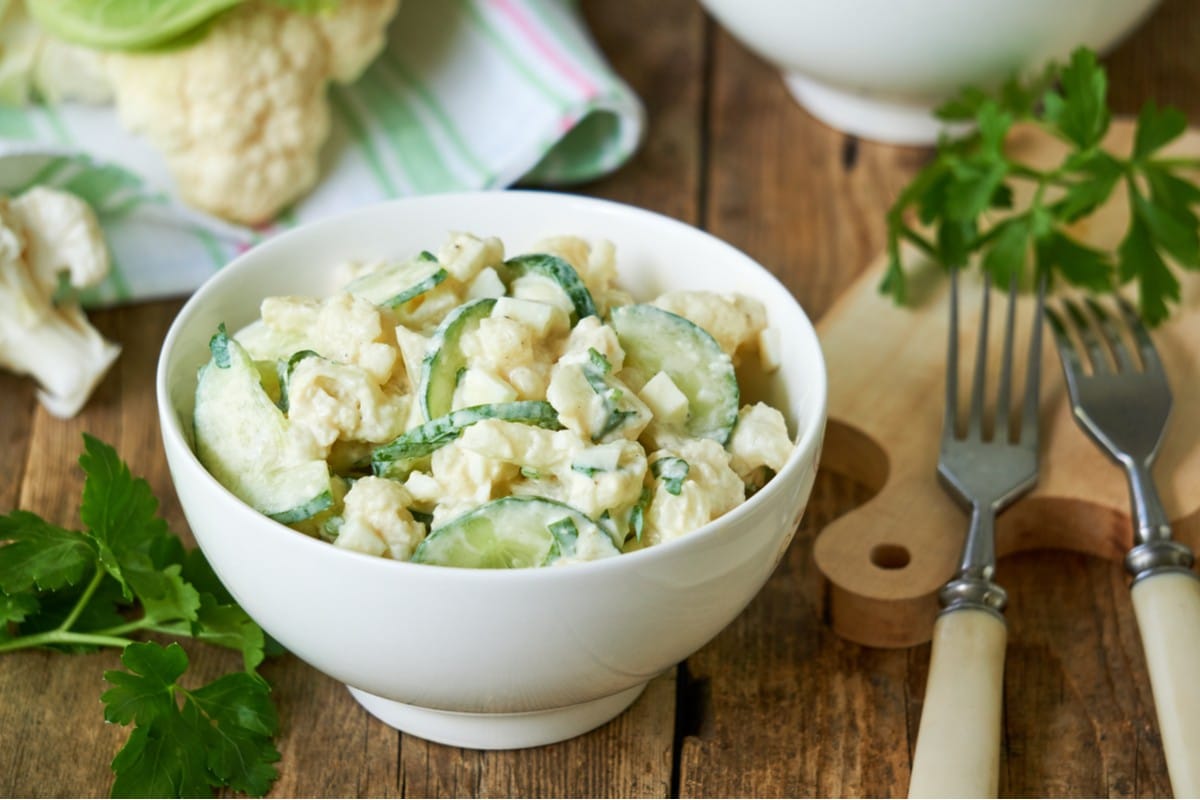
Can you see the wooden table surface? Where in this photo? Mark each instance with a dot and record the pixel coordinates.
(776, 705)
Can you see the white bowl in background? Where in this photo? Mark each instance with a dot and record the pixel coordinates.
(478, 658)
(877, 68)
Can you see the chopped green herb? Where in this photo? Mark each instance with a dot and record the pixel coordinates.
(218, 345)
(637, 517)
(672, 472)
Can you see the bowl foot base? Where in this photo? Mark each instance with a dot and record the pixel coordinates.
(497, 731)
(869, 117)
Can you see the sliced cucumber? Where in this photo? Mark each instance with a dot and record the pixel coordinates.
(402, 455)
(515, 532)
(396, 284)
(283, 374)
(241, 438)
(557, 270)
(440, 369)
(656, 341)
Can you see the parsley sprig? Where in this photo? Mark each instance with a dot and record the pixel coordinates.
(963, 200)
(125, 573)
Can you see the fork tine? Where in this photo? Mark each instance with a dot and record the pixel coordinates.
(975, 416)
(1111, 334)
(1033, 370)
(1004, 392)
(1087, 335)
(1146, 349)
(950, 419)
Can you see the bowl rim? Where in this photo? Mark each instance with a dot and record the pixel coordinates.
(807, 440)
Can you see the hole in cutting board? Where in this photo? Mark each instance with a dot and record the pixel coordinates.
(890, 556)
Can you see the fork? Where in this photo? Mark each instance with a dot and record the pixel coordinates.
(958, 743)
(1123, 404)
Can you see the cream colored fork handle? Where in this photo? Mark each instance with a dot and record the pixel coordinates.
(958, 744)
(1168, 615)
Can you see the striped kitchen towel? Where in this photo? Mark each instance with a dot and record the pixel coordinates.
(469, 94)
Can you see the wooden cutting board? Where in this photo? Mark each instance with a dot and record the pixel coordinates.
(885, 560)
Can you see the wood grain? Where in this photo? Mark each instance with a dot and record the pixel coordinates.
(777, 705)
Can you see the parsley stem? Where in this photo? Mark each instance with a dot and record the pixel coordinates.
(910, 235)
(84, 599)
(62, 637)
(1177, 163)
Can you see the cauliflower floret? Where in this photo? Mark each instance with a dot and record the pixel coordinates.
(241, 114)
(35, 64)
(590, 400)
(593, 479)
(734, 320)
(509, 349)
(376, 520)
(61, 235)
(341, 401)
(465, 479)
(343, 328)
(592, 403)
(464, 255)
(354, 34)
(413, 347)
(760, 439)
(592, 334)
(42, 234)
(709, 488)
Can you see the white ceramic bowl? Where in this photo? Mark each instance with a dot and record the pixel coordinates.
(876, 68)
(475, 658)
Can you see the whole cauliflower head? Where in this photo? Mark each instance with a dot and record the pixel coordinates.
(241, 115)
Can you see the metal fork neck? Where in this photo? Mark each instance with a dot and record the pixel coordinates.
(1154, 551)
(973, 586)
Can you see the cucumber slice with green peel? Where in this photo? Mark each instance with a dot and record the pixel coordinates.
(396, 284)
(557, 270)
(515, 532)
(283, 374)
(402, 455)
(440, 369)
(655, 340)
(241, 439)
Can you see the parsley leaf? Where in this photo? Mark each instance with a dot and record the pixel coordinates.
(15, 608)
(126, 572)
(119, 511)
(40, 554)
(219, 735)
(963, 199)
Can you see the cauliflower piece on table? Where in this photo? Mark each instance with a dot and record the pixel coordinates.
(376, 520)
(43, 234)
(241, 114)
